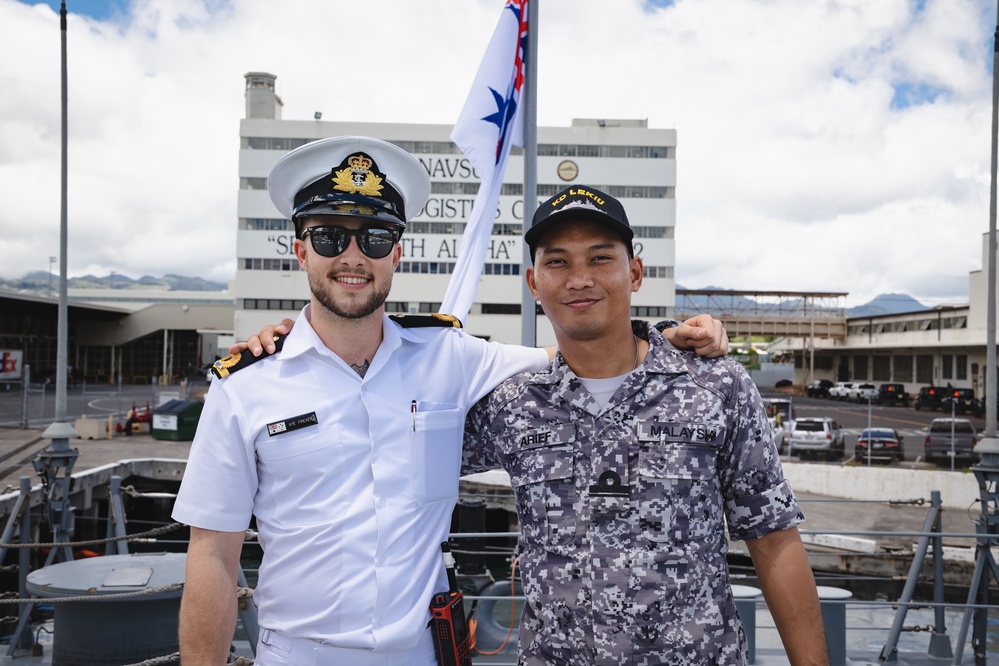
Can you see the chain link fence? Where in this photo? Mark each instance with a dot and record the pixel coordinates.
(28, 404)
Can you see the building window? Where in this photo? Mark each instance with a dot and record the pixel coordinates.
(860, 367)
(447, 267)
(272, 143)
(449, 187)
(882, 368)
(426, 267)
(428, 147)
(453, 228)
(449, 148)
(947, 366)
(501, 269)
(660, 312)
(458, 228)
(823, 362)
(284, 265)
(507, 229)
(396, 306)
(903, 368)
(273, 304)
(924, 369)
(658, 271)
(501, 308)
(265, 224)
(653, 232)
(253, 183)
(430, 307)
(961, 366)
(589, 150)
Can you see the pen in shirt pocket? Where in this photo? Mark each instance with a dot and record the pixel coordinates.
(412, 410)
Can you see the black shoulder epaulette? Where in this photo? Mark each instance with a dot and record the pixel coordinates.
(233, 362)
(425, 321)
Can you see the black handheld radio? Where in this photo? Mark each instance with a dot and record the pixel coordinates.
(447, 609)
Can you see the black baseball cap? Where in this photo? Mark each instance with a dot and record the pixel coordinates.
(580, 202)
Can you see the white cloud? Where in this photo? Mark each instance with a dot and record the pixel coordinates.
(797, 167)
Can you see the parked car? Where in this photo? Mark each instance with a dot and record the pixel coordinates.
(886, 446)
(779, 434)
(929, 398)
(962, 400)
(780, 407)
(819, 388)
(892, 394)
(840, 390)
(863, 392)
(817, 436)
(946, 437)
(780, 411)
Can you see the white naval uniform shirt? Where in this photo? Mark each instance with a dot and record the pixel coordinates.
(352, 507)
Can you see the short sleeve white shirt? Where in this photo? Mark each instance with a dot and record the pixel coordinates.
(352, 480)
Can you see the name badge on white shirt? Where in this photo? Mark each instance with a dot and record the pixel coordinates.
(294, 423)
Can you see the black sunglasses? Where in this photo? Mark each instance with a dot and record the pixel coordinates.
(330, 241)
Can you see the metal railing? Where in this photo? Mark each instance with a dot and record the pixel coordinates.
(913, 624)
(26, 403)
(933, 615)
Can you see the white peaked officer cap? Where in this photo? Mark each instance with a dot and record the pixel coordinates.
(353, 176)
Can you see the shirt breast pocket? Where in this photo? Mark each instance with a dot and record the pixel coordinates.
(436, 452)
(302, 478)
(543, 480)
(680, 497)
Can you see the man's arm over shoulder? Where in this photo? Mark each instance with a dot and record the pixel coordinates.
(482, 448)
(264, 340)
(208, 606)
(487, 364)
(789, 588)
(702, 334)
(478, 451)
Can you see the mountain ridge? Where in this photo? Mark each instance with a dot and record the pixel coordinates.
(41, 283)
(882, 304)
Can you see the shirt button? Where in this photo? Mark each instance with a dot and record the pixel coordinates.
(382, 504)
(380, 561)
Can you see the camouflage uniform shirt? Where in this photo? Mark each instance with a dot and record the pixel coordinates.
(623, 509)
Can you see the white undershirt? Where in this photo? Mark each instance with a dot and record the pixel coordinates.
(603, 389)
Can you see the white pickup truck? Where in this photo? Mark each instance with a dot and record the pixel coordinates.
(840, 390)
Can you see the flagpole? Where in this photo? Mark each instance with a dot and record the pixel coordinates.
(528, 316)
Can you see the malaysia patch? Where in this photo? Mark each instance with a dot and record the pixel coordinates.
(294, 423)
(678, 432)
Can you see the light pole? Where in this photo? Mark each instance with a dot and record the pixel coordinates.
(52, 260)
(870, 433)
(987, 471)
(953, 402)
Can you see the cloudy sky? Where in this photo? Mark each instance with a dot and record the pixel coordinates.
(824, 145)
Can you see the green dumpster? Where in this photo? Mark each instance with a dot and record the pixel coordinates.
(176, 420)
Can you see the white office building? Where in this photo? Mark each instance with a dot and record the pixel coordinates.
(624, 158)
